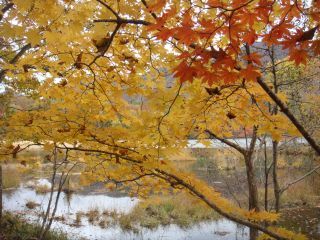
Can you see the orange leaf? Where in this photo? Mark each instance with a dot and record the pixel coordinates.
(249, 17)
(298, 56)
(214, 3)
(187, 21)
(186, 35)
(229, 76)
(165, 33)
(185, 72)
(250, 37)
(159, 5)
(210, 78)
(255, 58)
(250, 73)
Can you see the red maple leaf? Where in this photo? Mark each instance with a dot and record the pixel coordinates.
(185, 72)
(254, 58)
(250, 73)
(250, 37)
(165, 33)
(158, 5)
(298, 56)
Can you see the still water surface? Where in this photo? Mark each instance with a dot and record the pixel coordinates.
(15, 201)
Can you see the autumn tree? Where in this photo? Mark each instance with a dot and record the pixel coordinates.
(299, 85)
(110, 81)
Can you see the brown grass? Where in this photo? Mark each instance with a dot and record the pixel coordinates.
(32, 205)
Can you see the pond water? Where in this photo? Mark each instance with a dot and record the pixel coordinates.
(15, 201)
(233, 180)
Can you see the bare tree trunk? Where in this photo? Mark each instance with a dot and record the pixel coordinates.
(276, 187)
(252, 184)
(252, 181)
(253, 192)
(46, 216)
(62, 181)
(266, 175)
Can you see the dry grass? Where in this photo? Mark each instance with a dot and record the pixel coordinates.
(78, 220)
(103, 223)
(42, 189)
(179, 209)
(32, 205)
(10, 170)
(59, 218)
(93, 215)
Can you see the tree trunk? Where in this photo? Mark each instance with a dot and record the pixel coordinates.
(251, 177)
(253, 191)
(266, 175)
(276, 187)
(47, 214)
(61, 183)
(252, 184)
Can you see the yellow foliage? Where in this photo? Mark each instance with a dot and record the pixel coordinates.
(106, 89)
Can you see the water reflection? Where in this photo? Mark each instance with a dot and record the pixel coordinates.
(15, 201)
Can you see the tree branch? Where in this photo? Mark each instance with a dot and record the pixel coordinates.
(288, 185)
(288, 113)
(20, 53)
(146, 5)
(244, 222)
(109, 8)
(130, 179)
(225, 141)
(108, 44)
(15, 59)
(123, 21)
(99, 151)
(6, 8)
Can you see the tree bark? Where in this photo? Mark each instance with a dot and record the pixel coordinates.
(266, 175)
(276, 187)
(253, 192)
(252, 184)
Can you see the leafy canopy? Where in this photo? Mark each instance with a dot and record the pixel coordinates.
(102, 75)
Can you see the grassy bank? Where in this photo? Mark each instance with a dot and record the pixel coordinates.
(13, 227)
(180, 210)
(151, 213)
